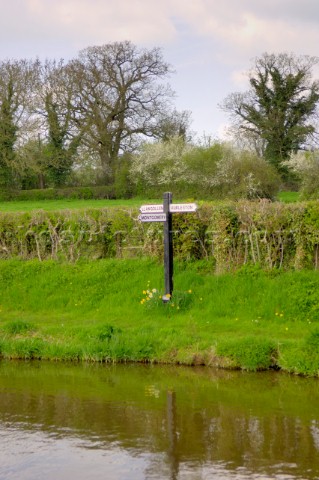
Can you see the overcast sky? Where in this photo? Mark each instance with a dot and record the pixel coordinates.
(210, 43)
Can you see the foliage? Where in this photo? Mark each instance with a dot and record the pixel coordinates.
(18, 79)
(242, 174)
(118, 98)
(279, 107)
(93, 192)
(100, 104)
(217, 171)
(160, 166)
(271, 235)
(305, 165)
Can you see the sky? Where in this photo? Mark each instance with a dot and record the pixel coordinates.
(211, 44)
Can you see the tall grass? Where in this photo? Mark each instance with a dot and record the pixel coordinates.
(95, 311)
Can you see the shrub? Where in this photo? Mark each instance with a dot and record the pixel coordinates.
(305, 165)
(97, 192)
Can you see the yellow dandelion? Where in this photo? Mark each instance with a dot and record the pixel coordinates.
(144, 292)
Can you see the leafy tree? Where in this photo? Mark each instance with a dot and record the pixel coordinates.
(277, 113)
(8, 136)
(55, 106)
(31, 163)
(17, 83)
(119, 98)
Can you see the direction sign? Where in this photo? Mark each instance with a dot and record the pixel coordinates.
(151, 208)
(182, 207)
(152, 217)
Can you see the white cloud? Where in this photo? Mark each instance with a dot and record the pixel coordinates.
(210, 42)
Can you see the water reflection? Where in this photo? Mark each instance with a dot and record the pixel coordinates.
(148, 422)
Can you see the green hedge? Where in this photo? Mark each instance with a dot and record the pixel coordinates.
(231, 235)
(98, 192)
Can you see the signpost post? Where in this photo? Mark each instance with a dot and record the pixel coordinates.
(168, 246)
(163, 213)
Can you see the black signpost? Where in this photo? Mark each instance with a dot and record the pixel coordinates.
(163, 213)
(168, 246)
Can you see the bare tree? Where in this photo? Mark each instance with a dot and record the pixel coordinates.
(118, 98)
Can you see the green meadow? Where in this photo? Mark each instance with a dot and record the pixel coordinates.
(69, 204)
(111, 310)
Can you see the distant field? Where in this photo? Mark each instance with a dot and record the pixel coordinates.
(61, 204)
(27, 206)
(288, 197)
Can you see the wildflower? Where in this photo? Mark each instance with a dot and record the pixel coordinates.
(144, 292)
(150, 295)
(154, 290)
(189, 291)
(281, 315)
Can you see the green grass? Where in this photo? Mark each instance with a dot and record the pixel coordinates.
(288, 197)
(50, 205)
(61, 204)
(98, 311)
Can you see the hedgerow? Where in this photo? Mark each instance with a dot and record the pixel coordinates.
(231, 235)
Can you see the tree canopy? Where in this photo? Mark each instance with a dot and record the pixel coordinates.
(105, 102)
(277, 113)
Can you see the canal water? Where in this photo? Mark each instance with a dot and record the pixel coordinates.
(110, 422)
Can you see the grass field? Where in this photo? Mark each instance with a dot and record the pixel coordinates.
(50, 205)
(111, 310)
(288, 197)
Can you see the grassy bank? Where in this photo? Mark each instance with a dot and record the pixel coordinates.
(110, 310)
